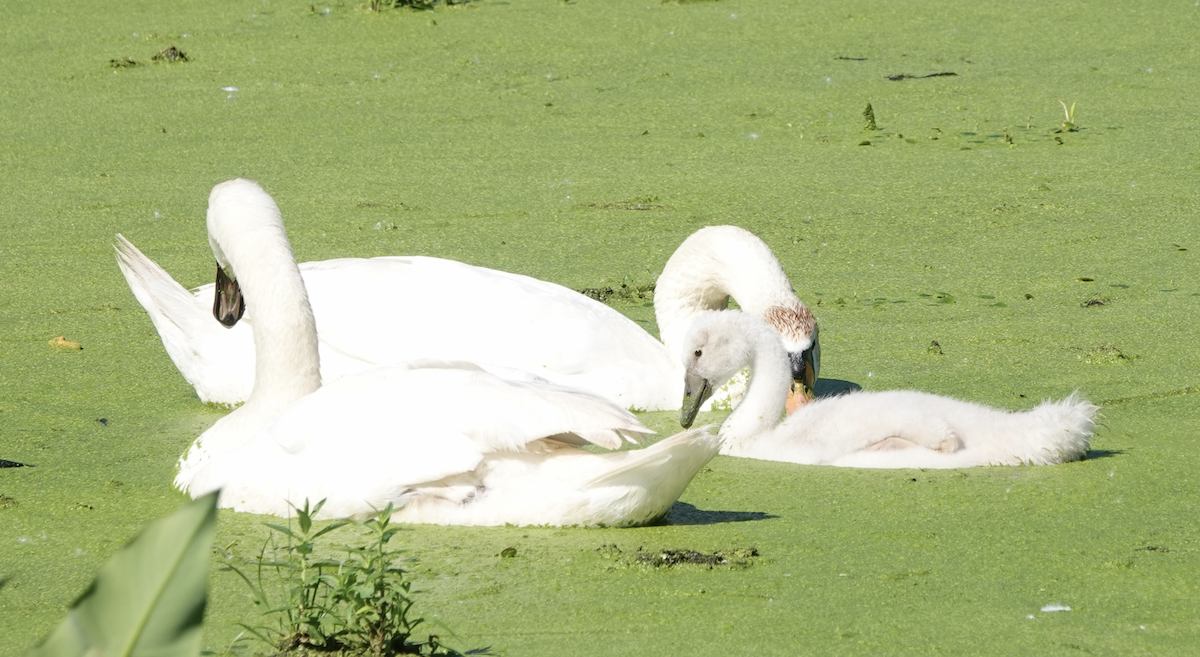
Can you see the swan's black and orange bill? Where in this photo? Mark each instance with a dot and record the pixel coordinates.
(696, 391)
(804, 375)
(228, 304)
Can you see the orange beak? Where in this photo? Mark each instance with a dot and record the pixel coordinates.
(800, 395)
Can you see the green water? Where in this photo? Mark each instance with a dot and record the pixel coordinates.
(518, 135)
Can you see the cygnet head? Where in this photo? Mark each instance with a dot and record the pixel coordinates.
(717, 346)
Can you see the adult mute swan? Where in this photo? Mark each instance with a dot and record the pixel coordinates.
(893, 429)
(445, 442)
(365, 310)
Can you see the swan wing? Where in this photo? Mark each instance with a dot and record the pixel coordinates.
(385, 310)
(429, 420)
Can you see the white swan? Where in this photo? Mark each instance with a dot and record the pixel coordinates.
(894, 429)
(364, 310)
(444, 442)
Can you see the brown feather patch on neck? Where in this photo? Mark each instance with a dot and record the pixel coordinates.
(795, 325)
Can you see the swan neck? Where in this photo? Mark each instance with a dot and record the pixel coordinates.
(712, 265)
(251, 238)
(287, 365)
(770, 381)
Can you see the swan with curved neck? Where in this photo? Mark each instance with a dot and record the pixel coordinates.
(365, 309)
(719, 262)
(401, 434)
(893, 429)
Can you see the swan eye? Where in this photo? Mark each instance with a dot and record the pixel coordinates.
(698, 353)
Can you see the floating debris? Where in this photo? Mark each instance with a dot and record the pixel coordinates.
(62, 343)
(637, 203)
(170, 54)
(668, 558)
(905, 76)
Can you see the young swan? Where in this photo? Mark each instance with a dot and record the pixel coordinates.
(445, 442)
(893, 429)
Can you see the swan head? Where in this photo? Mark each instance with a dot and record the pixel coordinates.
(241, 216)
(718, 345)
(228, 304)
(798, 328)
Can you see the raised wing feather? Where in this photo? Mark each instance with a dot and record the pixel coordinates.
(431, 420)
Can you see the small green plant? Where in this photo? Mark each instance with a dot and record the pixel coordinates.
(359, 604)
(1068, 124)
(626, 292)
(869, 119)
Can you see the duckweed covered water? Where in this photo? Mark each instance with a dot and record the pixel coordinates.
(581, 142)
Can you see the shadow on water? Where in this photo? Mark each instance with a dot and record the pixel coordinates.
(1102, 453)
(835, 387)
(683, 513)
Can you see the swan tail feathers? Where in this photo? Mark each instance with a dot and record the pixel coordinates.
(154, 288)
(1051, 433)
(177, 316)
(669, 462)
(643, 484)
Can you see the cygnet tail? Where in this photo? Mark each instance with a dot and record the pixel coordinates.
(1059, 431)
(181, 321)
(1051, 433)
(663, 470)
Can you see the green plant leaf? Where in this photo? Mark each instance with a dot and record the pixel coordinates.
(326, 530)
(286, 531)
(148, 599)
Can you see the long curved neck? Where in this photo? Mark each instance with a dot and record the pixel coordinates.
(250, 236)
(770, 380)
(286, 365)
(710, 266)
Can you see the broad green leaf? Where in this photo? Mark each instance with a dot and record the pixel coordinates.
(148, 599)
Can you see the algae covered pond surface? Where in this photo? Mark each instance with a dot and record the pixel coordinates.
(580, 142)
